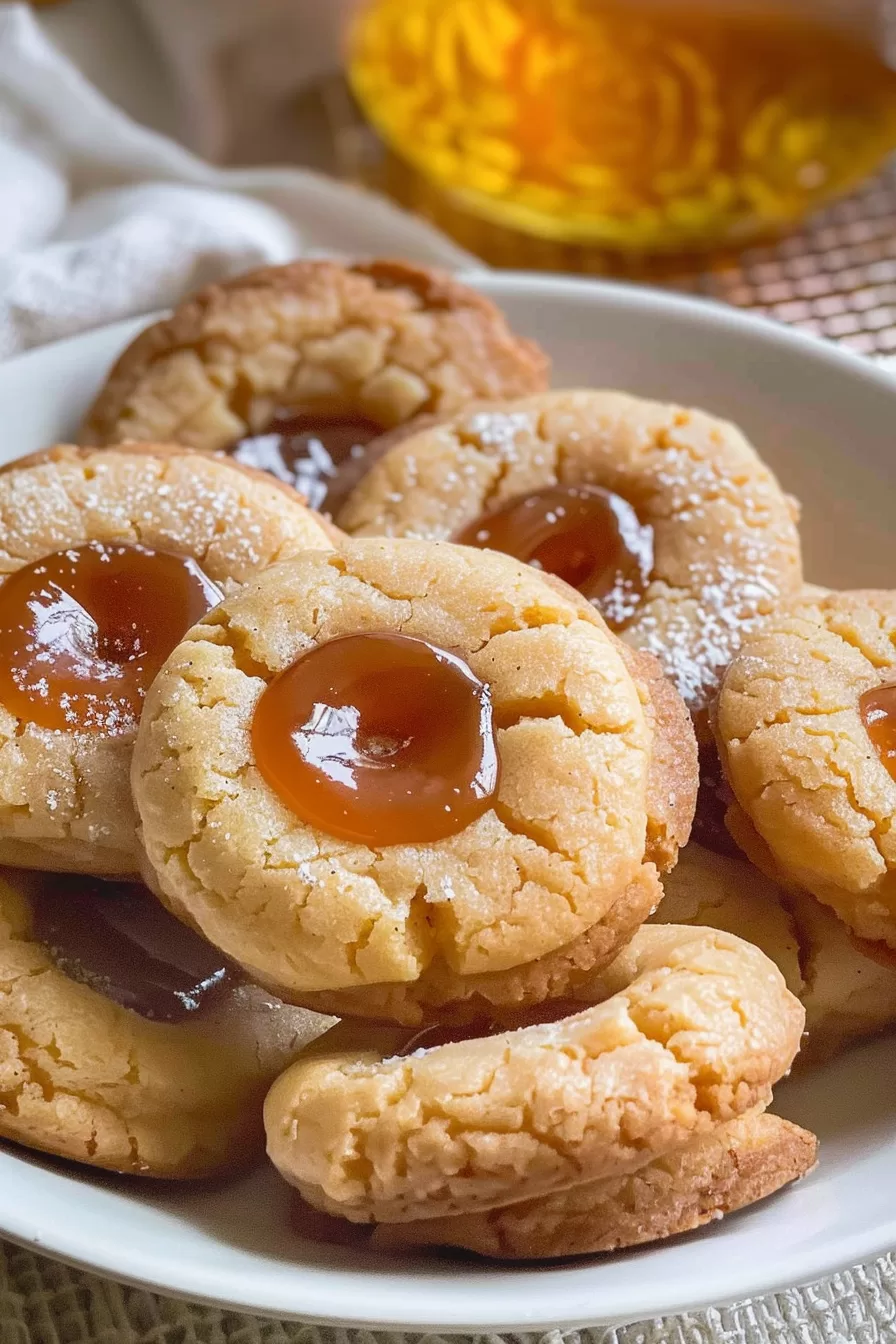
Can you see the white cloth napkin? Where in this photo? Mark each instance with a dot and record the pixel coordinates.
(102, 219)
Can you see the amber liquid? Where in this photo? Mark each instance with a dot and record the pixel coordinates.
(877, 709)
(84, 631)
(381, 739)
(589, 537)
(625, 125)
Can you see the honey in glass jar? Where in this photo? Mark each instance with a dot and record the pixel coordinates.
(634, 124)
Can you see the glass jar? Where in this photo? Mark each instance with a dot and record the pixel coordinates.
(637, 125)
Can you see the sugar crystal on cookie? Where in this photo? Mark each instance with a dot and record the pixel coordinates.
(83, 631)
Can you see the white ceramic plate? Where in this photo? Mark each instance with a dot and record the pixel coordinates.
(825, 420)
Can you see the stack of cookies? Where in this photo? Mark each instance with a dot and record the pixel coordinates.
(349, 672)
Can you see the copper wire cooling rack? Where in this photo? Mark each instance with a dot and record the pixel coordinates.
(836, 277)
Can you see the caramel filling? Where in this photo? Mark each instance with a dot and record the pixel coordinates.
(84, 631)
(117, 939)
(380, 739)
(583, 534)
(877, 708)
(322, 455)
(314, 1225)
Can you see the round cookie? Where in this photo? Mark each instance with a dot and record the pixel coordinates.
(724, 539)
(87, 1079)
(846, 987)
(690, 1029)
(807, 777)
(562, 839)
(715, 891)
(673, 778)
(441, 994)
(65, 800)
(731, 1167)
(378, 343)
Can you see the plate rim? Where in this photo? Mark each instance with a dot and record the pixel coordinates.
(811, 1268)
(741, 1280)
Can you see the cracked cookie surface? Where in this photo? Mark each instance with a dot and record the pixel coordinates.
(807, 779)
(65, 800)
(732, 1166)
(726, 547)
(86, 1079)
(385, 340)
(847, 987)
(304, 911)
(690, 1029)
(441, 994)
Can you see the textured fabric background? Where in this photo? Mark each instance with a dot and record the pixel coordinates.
(45, 1303)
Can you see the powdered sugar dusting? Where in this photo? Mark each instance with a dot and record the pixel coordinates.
(726, 546)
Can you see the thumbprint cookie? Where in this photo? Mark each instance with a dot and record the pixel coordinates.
(126, 1042)
(297, 368)
(806, 729)
(442, 995)
(847, 986)
(107, 557)
(686, 1030)
(734, 1165)
(396, 756)
(665, 518)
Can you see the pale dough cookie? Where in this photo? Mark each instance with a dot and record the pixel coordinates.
(713, 890)
(439, 993)
(692, 1028)
(674, 774)
(304, 911)
(442, 995)
(732, 1166)
(673, 778)
(847, 988)
(799, 759)
(726, 547)
(65, 800)
(384, 340)
(84, 1078)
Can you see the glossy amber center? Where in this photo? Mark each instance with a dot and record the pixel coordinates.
(878, 710)
(84, 631)
(587, 536)
(380, 739)
(116, 938)
(322, 455)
